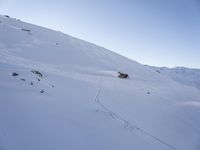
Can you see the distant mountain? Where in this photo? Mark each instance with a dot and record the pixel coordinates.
(58, 92)
(183, 75)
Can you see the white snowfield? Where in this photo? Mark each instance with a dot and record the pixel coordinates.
(186, 76)
(61, 93)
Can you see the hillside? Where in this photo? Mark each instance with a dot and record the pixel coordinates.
(59, 92)
(183, 75)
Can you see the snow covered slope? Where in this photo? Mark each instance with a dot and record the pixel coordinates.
(58, 92)
(186, 76)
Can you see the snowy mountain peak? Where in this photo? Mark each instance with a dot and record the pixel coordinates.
(59, 92)
(183, 75)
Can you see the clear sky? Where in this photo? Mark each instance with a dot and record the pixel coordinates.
(154, 32)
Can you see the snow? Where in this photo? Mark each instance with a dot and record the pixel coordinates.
(183, 75)
(84, 104)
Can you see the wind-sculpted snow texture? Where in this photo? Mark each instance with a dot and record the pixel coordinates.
(58, 92)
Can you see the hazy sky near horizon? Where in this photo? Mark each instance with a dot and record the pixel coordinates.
(153, 32)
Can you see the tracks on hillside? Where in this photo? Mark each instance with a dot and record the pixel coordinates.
(127, 124)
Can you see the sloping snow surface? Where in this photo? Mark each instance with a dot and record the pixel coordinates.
(61, 93)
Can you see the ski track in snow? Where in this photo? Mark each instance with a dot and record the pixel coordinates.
(127, 124)
(104, 64)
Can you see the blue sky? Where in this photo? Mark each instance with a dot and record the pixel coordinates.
(154, 32)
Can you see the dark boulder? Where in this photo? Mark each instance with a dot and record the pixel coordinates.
(27, 30)
(15, 74)
(41, 91)
(37, 73)
(157, 71)
(122, 75)
(7, 16)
